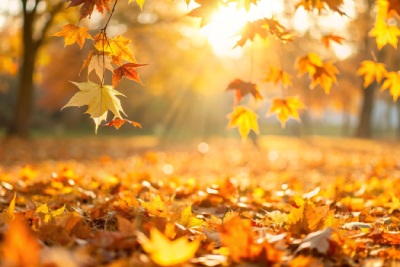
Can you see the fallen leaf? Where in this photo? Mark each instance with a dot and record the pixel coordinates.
(189, 220)
(165, 252)
(157, 207)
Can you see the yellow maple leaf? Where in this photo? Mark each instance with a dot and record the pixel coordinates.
(165, 252)
(393, 82)
(276, 75)
(157, 207)
(74, 34)
(372, 70)
(188, 220)
(139, 2)
(48, 214)
(285, 108)
(385, 34)
(243, 4)
(99, 98)
(245, 119)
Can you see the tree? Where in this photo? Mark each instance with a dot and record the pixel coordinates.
(113, 53)
(30, 46)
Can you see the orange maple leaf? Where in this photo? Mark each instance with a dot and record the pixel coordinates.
(372, 70)
(327, 38)
(245, 119)
(325, 76)
(117, 48)
(238, 236)
(117, 123)
(276, 75)
(393, 82)
(127, 70)
(89, 5)
(308, 218)
(334, 5)
(19, 247)
(309, 63)
(285, 108)
(243, 88)
(385, 34)
(74, 34)
(157, 207)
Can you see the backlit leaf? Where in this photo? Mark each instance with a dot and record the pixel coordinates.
(285, 109)
(74, 34)
(245, 119)
(372, 70)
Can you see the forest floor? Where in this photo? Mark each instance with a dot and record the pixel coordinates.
(143, 202)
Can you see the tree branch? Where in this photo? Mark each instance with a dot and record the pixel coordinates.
(49, 22)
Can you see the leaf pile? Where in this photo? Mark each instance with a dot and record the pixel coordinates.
(322, 202)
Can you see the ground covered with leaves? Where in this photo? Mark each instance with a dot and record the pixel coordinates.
(138, 202)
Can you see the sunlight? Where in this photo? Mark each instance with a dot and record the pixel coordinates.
(221, 32)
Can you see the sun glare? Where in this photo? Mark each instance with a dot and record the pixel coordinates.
(221, 32)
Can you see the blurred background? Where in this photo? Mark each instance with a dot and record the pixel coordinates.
(190, 68)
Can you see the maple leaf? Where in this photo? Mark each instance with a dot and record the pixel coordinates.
(309, 63)
(127, 70)
(86, 62)
(117, 123)
(320, 241)
(251, 30)
(385, 34)
(285, 108)
(99, 63)
(139, 2)
(89, 5)
(372, 70)
(245, 119)
(19, 247)
(327, 38)
(205, 11)
(393, 82)
(157, 207)
(74, 34)
(99, 98)
(189, 220)
(117, 48)
(165, 252)
(243, 4)
(334, 5)
(243, 88)
(276, 75)
(277, 30)
(308, 218)
(47, 213)
(238, 236)
(324, 76)
(214, 222)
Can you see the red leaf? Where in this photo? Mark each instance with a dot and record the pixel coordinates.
(127, 70)
(117, 123)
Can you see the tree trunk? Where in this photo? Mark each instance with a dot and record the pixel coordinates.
(20, 123)
(364, 125)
